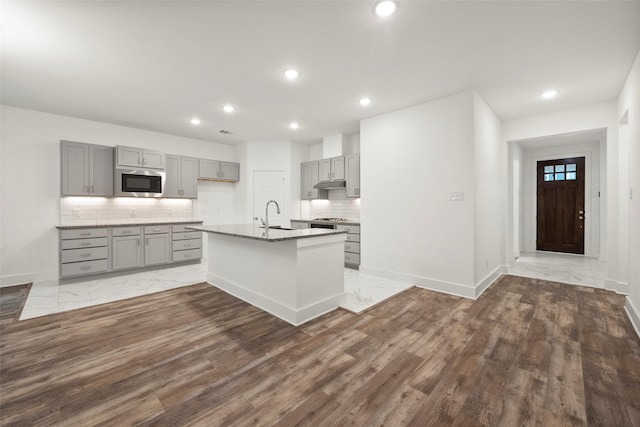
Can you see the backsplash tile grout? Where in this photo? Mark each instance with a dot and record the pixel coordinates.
(95, 211)
(337, 206)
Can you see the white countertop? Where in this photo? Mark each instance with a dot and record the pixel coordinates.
(251, 231)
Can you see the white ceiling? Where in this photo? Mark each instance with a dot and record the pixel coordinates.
(155, 64)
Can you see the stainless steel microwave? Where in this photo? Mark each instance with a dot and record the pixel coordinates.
(139, 183)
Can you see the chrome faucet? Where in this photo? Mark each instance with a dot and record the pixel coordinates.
(266, 223)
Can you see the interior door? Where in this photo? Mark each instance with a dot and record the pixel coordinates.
(268, 185)
(560, 212)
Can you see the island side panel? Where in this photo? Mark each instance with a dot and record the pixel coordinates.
(257, 272)
(320, 276)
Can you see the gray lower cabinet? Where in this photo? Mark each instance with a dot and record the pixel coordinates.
(352, 244)
(86, 169)
(84, 251)
(126, 250)
(186, 244)
(157, 245)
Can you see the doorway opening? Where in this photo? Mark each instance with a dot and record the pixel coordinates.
(560, 208)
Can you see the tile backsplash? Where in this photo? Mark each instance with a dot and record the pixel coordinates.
(100, 210)
(338, 206)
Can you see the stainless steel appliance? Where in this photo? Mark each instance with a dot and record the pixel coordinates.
(139, 183)
(330, 223)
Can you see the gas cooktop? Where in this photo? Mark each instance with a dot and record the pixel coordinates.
(331, 219)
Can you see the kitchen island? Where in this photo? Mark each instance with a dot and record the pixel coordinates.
(295, 275)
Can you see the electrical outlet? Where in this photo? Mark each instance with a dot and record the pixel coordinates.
(456, 196)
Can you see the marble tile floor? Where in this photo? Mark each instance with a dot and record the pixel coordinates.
(574, 269)
(48, 297)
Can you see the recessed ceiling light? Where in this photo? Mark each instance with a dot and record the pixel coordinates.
(229, 108)
(195, 121)
(385, 8)
(291, 74)
(294, 125)
(365, 101)
(549, 94)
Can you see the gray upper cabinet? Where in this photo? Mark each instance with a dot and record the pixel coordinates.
(139, 158)
(86, 169)
(219, 171)
(182, 175)
(309, 173)
(352, 162)
(331, 169)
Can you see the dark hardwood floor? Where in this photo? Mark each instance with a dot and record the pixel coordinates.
(527, 352)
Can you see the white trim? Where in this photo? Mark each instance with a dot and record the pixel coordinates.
(484, 284)
(634, 315)
(281, 311)
(422, 282)
(22, 279)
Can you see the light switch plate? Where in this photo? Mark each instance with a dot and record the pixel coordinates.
(456, 196)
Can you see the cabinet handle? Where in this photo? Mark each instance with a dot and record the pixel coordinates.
(85, 234)
(138, 242)
(187, 235)
(85, 244)
(126, 231)
(156, 229)
(85, 255)
(187, 255)
(144, 160)
(187, 245)
(139, 161)
(85, 268)
(146, 241)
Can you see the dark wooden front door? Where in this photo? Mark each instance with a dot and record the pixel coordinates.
(560, 220)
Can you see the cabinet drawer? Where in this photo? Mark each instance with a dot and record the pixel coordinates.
(182, 228)
(299, 225)
(353, 237)
(84, 233)
(187, 255)
(125, 231)
(353, 247)
(350, 258)
(156, 229)
(83, 243)
(180, 245)
(85, 267)
(74, 255)
(187, 235)
(351, 229)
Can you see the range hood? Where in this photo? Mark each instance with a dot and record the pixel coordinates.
(330, 185)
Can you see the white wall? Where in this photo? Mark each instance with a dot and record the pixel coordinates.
(629, 104)
(411, 159)
(490, 161)
(30, 181)
(515, 202)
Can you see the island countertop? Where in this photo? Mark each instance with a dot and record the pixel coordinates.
(251, 231)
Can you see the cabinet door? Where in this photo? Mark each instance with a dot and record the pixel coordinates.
(126, 252)
(156, 249)
(128, 156)
(309, 174)
(337, 168)
(230, 171)
(209, 169)
(353, 175)
(172, 181)
(74, 168)
(188, 177)
(153, 159)
(325, 170)
(101, 170)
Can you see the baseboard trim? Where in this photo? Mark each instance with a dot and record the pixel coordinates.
(21, 279)
(633, 314)
(296, 317)
(622, 288)
(490, 279)
(422, 282)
